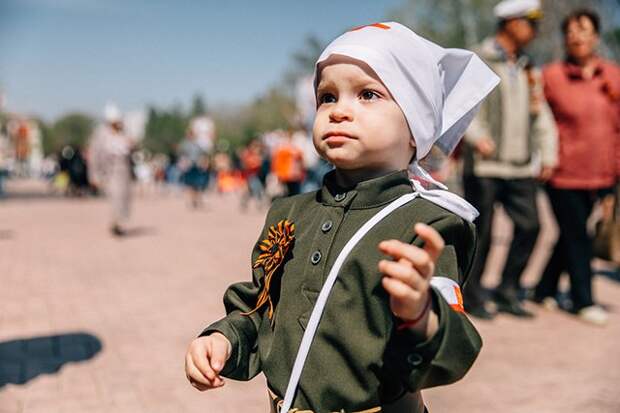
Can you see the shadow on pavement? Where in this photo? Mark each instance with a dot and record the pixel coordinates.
(22, 360)
(138, 232)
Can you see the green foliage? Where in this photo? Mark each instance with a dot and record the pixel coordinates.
(274, 110)
(199, 108)
(450, 23)
(71, 129)
(549, 44)
(465, 23)
(46, 137)
(303, 60)
(164, 129)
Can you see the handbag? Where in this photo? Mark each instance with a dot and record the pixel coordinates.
(606, 243)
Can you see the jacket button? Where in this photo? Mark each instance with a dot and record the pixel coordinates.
(414, 359)
(340, 197)
(327, 225)
(316, 257)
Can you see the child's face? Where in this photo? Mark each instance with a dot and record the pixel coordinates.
(358, 125)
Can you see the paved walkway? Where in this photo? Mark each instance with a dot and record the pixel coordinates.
(125, 310)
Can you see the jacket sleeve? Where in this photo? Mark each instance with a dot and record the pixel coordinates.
(616, 96)
(544, 129)
(242, 330)
(546, 136)
(479, 127)
(447, 356)
(96, 158)
(617, 145)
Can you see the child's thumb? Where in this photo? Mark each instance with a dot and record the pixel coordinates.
(219, 354)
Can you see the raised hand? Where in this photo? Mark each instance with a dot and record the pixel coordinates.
(407, 278)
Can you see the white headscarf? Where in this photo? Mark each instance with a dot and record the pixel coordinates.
(439, 90)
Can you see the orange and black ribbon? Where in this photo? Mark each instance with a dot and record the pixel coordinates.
(273, 250)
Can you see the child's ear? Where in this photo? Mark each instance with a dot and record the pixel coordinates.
(411, 140)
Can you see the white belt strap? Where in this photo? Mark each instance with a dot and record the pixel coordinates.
(317, 311)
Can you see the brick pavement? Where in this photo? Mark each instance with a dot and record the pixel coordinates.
(146, 296)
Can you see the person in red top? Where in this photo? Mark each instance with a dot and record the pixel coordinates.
(252, 158)
(287, 163)
(583, 92)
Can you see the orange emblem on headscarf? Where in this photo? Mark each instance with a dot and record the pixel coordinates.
(273, 250)
(377, 25)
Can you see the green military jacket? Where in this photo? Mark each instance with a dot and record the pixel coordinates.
(358, 359)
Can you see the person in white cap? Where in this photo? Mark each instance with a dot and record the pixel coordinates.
(110, 166)
(511, 142)
(355, 301)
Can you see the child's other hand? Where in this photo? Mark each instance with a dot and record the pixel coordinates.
(407, 276)
(205, 359)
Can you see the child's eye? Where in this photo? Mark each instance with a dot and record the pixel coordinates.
(326, 98)
(369, 95)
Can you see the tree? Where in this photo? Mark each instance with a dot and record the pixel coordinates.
(464, 23)
(549, 44)
(164, 129)
(303, 60)
(198, 106)
(71, 129)
(450, 23)
(273, 110)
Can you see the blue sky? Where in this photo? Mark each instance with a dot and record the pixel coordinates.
(63, 55)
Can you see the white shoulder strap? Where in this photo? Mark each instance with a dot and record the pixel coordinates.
(448, 200)
(440, 195)
(317, 311)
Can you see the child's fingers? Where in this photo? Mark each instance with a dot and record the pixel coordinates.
(201, 361)
(200, 386)
(404, 272)
(433, 242)
(419, 258)
(399, 290)
(197, 377)
(218, 354)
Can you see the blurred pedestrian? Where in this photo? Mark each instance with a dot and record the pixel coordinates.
(287, 163)
(22, 148)
(508, 139)
(4, 158)
(194, 163)
(251, 158)
(583, 91)
(77, 170)
(110, 166)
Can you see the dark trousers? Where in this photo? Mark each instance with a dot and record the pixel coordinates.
(573, 250)
(518, 197)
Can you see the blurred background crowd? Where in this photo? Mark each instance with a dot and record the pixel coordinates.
(552, 126)
(177, 123)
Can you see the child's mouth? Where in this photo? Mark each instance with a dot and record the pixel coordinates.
(336, 137)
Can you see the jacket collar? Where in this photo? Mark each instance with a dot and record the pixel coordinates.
(367, 194)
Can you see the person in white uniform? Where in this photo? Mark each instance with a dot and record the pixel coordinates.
(110, 166)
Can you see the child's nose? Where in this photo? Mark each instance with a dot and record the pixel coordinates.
(341, 111)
